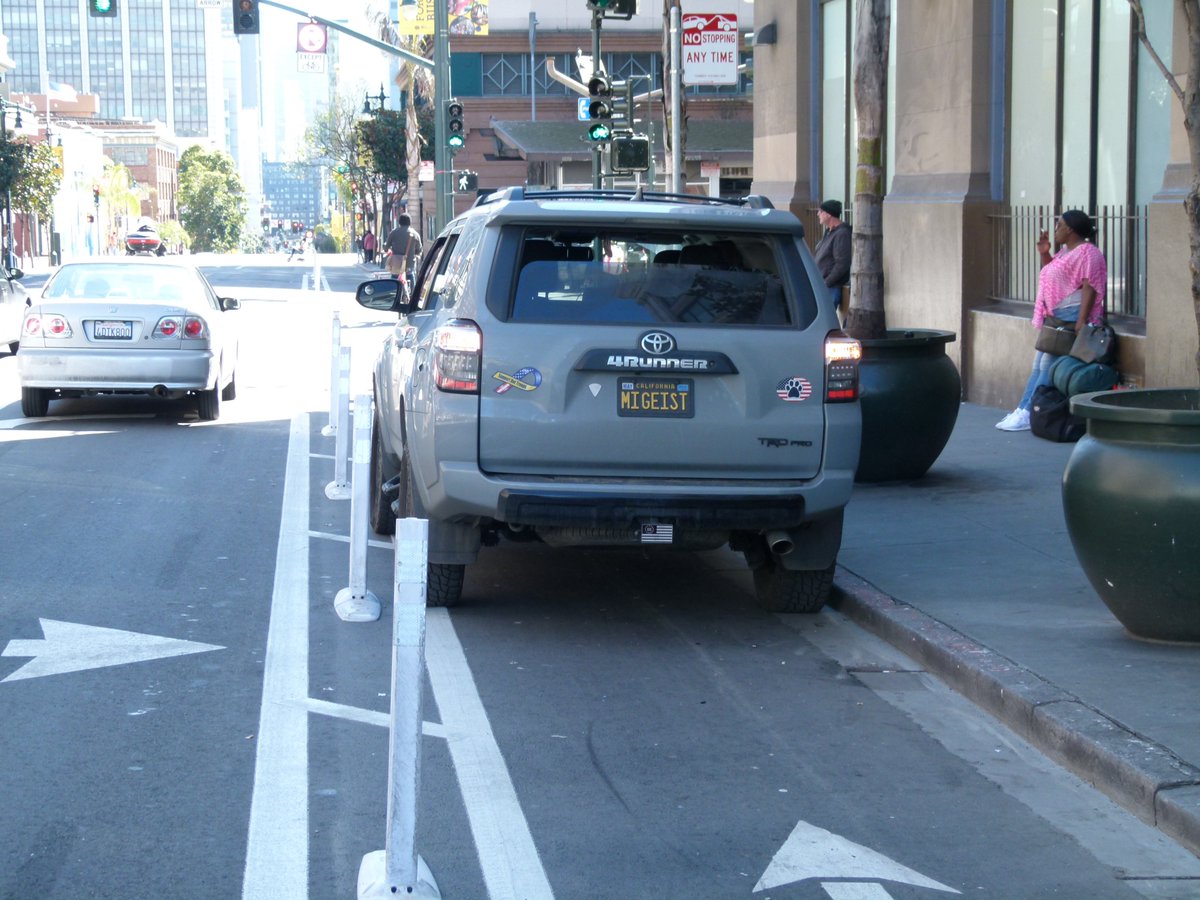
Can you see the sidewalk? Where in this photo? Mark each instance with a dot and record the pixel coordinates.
(970, 571)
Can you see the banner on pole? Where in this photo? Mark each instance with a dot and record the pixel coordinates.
(465, 17)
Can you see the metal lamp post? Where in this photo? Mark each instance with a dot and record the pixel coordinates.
(8, 232)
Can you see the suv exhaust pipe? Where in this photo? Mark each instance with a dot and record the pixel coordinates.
(160, 390)
(780, 543)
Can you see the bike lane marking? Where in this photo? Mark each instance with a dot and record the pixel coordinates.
(277, 842)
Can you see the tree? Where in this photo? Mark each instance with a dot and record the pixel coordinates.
(866, 318)
(212, 200)
(38, 178)
(1189, 99)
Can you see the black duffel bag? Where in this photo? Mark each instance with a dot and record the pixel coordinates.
(1050, 416)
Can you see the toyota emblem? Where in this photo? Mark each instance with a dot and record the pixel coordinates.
(657, 343)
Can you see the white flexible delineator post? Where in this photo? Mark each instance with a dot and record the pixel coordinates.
(339, 488)
(355, 603)
(334, 357)
(397, 870)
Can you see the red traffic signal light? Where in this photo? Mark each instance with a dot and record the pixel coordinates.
(245, 16)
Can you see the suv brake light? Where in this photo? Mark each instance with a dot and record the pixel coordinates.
(457, 351)
(842, 354)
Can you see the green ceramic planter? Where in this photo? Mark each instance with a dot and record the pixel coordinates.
(910, 391)
(1131, 495)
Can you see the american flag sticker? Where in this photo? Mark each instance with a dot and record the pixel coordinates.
(657, 533)
(794, 389)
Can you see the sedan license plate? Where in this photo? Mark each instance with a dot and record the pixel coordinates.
(112, 331)
(658, 398)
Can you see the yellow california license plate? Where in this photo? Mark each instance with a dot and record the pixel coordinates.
(665, 398)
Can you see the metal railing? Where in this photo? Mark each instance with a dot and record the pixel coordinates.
(1120, 235)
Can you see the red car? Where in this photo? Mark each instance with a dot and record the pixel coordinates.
(144, 240)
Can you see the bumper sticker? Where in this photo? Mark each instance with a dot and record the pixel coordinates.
(794, 389)
(524, 379)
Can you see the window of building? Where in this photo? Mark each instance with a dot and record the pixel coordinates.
(1092, 142)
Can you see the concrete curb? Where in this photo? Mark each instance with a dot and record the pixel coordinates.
(1142, 776)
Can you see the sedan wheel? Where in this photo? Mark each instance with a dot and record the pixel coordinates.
(35, 402)
(208, 404)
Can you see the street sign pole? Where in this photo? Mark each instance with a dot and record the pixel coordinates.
(597, 68)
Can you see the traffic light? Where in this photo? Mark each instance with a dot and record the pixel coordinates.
(600, 89)
(627, 8)
(245, 16)
(96, 195)
(102, 8)
(599, 131)
(456, 135)
(631, 153)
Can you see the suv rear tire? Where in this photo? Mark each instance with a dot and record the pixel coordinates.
(788, 591)
(443, 581)
(383, 519)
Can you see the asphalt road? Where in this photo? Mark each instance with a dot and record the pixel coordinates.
(183, 714)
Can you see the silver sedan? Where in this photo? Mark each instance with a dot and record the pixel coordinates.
(129, 326)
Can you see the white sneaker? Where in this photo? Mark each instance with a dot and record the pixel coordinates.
(1017, 420)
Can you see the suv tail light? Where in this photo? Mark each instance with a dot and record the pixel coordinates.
(457, 351)
(842, 354)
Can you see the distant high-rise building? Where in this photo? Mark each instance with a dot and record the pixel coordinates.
(154, 61)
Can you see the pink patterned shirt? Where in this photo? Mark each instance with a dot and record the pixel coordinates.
(1065, 274)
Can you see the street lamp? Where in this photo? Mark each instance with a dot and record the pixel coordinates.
(381, 99)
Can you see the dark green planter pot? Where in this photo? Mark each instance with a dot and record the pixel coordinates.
(1131, 494)
(910, 392)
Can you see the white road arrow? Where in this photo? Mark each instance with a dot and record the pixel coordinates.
(68, 647)
(812, 852)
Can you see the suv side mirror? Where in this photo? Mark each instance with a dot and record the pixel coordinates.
(382, 295)
(14, 273)
(228, 303)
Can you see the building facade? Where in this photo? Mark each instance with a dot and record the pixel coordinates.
(1000, 115)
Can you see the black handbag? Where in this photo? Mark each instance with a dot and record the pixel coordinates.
(1055, 337)
(1095, 343)
(1050, 416)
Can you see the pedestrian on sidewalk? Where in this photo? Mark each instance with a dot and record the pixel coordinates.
(368, 246)
(403, 250)
(832, 253)
(1070, 287)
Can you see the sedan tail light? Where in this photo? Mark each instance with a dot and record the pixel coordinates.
(842, 354)
(50, 326)
(188, 328)
(457, 351)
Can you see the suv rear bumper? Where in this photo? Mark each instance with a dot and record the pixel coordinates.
(586, 509)
(462, 492)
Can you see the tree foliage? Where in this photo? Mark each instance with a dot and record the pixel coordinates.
(212, 200)
(37, 179)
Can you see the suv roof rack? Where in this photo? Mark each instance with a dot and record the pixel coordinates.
(752, 201)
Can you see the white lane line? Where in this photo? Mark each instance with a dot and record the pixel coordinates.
(507, 855)
(277, 843)
(367, 716)
(345, 539)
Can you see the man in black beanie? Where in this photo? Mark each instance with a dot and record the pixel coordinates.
(832, 253)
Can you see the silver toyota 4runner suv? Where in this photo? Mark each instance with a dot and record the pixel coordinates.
(607, 368)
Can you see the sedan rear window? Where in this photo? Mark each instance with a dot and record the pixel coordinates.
(165, 284)
(631, 277)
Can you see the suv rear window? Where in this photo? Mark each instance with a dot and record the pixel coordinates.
(629, 277)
